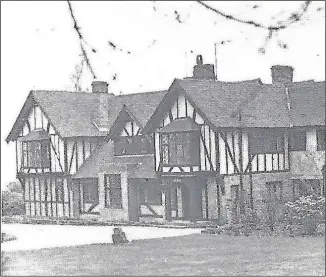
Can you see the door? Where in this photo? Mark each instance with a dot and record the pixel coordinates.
(184, 201)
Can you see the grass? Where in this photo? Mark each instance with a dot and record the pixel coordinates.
(199, 254)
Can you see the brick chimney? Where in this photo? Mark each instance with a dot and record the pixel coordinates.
(282, 74)
(100, 87)
(203, 71)
(102, 113)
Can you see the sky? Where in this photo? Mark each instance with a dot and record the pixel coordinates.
(40, 48)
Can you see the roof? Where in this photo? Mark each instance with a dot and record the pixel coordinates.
(103, 160)
(181, 124)
(260, 105)
(72, 114)
(307, 103)
(37, 134)
(219, 100)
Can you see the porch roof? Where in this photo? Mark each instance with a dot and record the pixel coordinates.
(179, 125)
(104, 160)
(36, 135)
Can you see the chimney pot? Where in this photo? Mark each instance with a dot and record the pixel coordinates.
(100, 87)
(199, 60)
(203, 71)
(282, 74)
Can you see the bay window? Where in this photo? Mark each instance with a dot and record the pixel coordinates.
(36, 154)
(180, 148)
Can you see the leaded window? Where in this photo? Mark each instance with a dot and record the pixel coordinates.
(180, 148)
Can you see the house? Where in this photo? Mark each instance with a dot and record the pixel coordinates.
(201, 150)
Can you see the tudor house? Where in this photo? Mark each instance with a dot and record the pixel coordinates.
(186, 153)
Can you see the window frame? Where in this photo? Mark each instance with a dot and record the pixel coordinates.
(36, 157)
(277, 188)
(59, 190)
(108, 188)
(320, 139)
(264, 146)
(192, 148)
(298, 185)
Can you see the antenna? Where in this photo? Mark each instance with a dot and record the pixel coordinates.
(186, 64)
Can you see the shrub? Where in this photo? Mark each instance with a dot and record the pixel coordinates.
(12, 202)
(305, 214)
(4, 261)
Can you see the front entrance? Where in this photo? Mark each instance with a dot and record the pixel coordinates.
(183, 199)
(145, 199)
(88, 196)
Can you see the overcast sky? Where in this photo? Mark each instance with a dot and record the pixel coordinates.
(39, 48)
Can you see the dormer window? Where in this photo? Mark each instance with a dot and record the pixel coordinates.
(133, 145)
(36, 150)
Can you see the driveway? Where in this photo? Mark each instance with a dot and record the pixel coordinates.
(48, 236)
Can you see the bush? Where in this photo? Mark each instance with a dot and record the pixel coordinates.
(305, 214)
(12, 202)
(4, 261)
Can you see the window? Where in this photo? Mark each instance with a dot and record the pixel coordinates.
(320, 140)
(36, 154)
(133, 145)
(113, 194)
(59, 190)
(274, 191)
(180, 148)
(150, 193)
(298, 141)
(304, 187)
(266, 142)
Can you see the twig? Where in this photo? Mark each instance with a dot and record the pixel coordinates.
(294, 17)
(81, 40)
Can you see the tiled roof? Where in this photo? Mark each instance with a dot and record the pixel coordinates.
(103, 160)
(180, 124)
(73, 113)
(307, 103)
(260, 105)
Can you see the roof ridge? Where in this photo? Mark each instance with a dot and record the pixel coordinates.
(145, 92)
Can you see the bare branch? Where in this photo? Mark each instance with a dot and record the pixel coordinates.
(294, 17)
(81, 40)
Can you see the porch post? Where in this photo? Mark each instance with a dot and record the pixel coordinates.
(195, 199)
(166, 193)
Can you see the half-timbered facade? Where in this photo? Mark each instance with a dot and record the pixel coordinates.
(202, 150)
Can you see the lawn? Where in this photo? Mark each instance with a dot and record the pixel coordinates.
(197, 254)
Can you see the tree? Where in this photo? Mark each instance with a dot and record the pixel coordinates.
(297, 16)
(76, 76)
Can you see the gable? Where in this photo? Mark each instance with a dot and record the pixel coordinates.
(30, 118)
(175, 104)
(126, 124)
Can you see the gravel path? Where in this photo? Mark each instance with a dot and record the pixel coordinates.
(48, 236)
